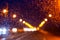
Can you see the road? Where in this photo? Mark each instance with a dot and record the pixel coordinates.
(26, 36)
(40, 35)
(32, 36)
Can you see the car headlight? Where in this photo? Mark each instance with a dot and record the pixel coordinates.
(4, 31)
(14, 30)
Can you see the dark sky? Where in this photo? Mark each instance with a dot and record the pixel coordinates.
(26, 9)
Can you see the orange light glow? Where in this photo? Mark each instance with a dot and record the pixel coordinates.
(5, 11)
(58, 3)
(50, 15)
(14, 15)
(37, 28)
(20, 30)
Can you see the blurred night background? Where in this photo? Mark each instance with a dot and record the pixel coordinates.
(32, 11)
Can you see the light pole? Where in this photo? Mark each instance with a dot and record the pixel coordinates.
(5, 13)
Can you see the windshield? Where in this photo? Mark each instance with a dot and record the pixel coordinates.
(29, 19)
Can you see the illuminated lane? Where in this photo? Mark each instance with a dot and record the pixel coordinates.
(17, 35)
(40, 35)
(33, 36)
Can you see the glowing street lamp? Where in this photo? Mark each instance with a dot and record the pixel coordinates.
(23, 21)
(20, 20)
(5, 11)
(14, 15)
(46, 19)
(50, 15)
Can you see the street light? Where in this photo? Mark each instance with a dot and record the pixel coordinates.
(23, 21)
(20, 20)
(46, 19)
(50, 15)
(14, 15)
(5, 11)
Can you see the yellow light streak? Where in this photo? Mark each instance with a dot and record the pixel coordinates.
(42, 23)
(29, 25)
